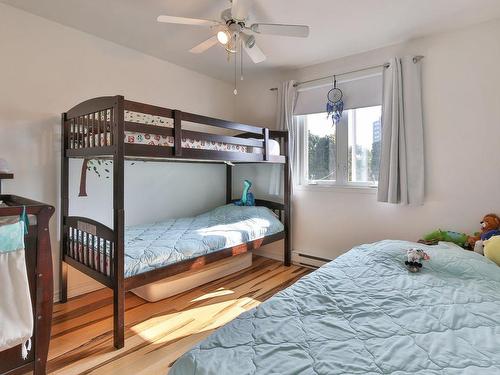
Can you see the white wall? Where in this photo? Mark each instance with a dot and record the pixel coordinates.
(461, 99)
(48, 68)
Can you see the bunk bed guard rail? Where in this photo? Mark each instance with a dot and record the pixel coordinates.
(96, 128)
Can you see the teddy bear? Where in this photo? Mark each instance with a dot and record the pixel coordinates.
(490, 226)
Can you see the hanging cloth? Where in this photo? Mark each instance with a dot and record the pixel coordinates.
(16, 312)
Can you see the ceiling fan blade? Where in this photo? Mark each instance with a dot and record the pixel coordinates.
(203, 46)
(255, 54)
(299, 31)
(187, 21)
(240, 9)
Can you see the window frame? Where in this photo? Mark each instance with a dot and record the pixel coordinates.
(342, 148)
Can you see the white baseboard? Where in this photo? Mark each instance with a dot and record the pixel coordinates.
(308, 260)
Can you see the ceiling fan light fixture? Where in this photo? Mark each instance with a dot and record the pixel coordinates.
(223, 37)
(234, 32)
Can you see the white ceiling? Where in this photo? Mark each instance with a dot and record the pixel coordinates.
(338, 27)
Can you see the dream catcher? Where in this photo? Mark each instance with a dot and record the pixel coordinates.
(335, 105)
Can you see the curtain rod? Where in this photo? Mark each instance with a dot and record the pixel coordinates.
(386, 65)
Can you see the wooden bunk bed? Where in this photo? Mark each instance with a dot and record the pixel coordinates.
(104, 128)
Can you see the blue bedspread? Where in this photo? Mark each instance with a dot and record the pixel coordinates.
(364, 313)
(157, 245)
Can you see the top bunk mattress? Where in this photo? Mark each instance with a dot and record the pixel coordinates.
(151, 246)
(365, 313)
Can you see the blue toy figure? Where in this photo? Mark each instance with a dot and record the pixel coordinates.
(247, 198)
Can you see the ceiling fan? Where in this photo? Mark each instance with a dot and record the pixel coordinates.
(233, 32)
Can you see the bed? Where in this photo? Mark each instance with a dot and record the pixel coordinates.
(117, 129)
(364, 313)
(156, 245)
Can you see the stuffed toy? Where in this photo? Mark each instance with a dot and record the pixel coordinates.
(492, 249)
(490, 226)
(247, 198)
(415, 257)
(457, 238)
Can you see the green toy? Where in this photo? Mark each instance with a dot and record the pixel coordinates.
(457, 238)
(247, 198)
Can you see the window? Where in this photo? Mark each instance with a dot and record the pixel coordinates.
(347, 154)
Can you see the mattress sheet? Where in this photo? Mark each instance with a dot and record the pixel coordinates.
(156, 245)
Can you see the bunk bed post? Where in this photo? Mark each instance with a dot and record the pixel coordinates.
(266, 143)
(229, 183)
(177, 115)
(63, 266)
(287, 203)
(118, 253)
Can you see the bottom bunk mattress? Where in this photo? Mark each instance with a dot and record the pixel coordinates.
(365, 313)
(151, 246)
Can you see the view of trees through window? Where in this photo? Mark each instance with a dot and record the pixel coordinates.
(322, 151)
(362, 132)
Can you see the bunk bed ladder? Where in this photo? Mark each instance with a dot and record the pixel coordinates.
(177, 115)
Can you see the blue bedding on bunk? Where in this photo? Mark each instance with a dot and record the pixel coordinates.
(160, 244)
(364, 313)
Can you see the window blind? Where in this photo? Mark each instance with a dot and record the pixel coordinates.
(358, 91)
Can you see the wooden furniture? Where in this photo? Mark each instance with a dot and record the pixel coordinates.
(95, 129)
(39, 265)
(5, 176)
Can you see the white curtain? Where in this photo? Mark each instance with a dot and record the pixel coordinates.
(287, 99)
(401, 178)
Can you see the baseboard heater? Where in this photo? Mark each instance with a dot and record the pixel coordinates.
(307, 260)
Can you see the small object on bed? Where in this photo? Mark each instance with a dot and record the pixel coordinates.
(415, 256)
(490, 226)
(247, 198)
(492, 249)
(439, 235)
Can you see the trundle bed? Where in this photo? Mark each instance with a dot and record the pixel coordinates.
(126, 258)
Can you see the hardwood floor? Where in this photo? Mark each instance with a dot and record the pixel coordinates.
(156, 333)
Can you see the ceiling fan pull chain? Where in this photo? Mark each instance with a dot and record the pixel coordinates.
(241, 59)
(235, 73)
